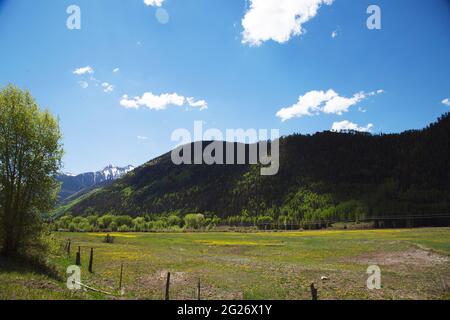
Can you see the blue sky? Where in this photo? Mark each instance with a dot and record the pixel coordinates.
(232, 56)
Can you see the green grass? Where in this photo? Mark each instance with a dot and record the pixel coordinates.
(70, 203)
(415, 264)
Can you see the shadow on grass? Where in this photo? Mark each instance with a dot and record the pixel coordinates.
(24, 265)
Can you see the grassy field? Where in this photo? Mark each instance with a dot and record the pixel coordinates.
(415, 264)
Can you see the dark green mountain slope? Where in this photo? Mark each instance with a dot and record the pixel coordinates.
(326, 176)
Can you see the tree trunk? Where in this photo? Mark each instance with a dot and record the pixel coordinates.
(11, 238)
(9, 246)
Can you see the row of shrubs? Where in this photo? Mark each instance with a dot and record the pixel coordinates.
(125, 223)
(175, 222)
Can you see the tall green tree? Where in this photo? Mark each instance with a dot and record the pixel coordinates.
(30, 157)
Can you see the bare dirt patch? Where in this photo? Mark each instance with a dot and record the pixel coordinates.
(159, 278)
(417, 257)
(183, 286)
(41, 284)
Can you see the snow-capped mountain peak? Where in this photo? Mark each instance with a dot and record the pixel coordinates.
(111, 172)
(73, 183)
(68, 174)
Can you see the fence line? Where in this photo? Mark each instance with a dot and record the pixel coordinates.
(322, 222)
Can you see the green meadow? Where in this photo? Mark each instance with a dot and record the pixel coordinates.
(415, 264)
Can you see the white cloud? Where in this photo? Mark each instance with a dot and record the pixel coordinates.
(347, 125)
(154, 3)
(315, 102)
(116, 70)
(278, 20)
(142, 138)
(88, 70)
(129, 103)
(83, 84)
(446, 101)
(84, 70)
(201, 104)
(334, 34)
(161, 102)
(307, 105)
(339, 105)
(107, 87)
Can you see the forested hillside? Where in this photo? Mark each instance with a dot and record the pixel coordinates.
(325, 176)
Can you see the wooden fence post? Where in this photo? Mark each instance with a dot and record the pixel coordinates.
(313, 292)
(68, 248)
(167, 286)
(91, 260)
(120, 280)
(78, 257)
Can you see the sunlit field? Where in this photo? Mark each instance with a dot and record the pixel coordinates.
(277, 265)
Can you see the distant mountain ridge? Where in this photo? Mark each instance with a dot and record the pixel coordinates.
(72, 183)
(327, 176)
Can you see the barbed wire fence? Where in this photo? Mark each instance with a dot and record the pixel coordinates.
(428, 220)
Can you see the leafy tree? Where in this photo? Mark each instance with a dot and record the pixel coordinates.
(83, 224)
(194, 221)
(139, 224)
(64, 222)
(264, 221)
(215, 221)
(113, 226)
(105, 221)
(30, 158)
(123, 220)
(93, 220)
(174, 220)
(123, 228)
